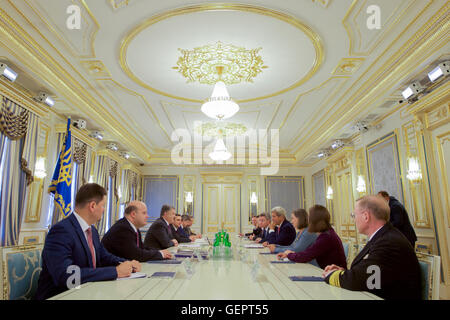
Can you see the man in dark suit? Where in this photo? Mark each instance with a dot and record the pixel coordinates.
(387, 265)
(73, 244)
(256, 232)
(263, 222)
(159, 235)
(281, 232)
(399, 217)
(181, 236)
(186, 223)
(123, 239)
(183, 230)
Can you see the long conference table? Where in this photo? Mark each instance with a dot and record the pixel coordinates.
(226, 278)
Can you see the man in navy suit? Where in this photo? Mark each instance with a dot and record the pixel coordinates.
(185, 230)
(399, 217)
(263, 223)
(178, 233)
(159, 235)
(282, 232)
(124, 240)
(73, 243)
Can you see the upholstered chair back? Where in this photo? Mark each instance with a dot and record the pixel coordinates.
(430, 267)
(20, 269)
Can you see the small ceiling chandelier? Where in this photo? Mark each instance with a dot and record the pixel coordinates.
(220, 105)
(220, 152)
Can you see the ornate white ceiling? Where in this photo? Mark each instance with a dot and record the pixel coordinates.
(323, 68)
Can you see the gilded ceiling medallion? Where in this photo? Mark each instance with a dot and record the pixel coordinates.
(314, 39)
(220, 129)
(237, 64)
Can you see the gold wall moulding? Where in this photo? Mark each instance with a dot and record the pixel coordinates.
(237, 64)
(315, 39)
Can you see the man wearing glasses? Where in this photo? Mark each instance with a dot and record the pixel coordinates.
(387, 266)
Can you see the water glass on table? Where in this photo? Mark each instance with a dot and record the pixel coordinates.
(189, 267)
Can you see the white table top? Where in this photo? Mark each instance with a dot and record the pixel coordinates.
(214, 279)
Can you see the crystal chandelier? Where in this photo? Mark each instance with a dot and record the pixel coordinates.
(220, 152)
(220, 105)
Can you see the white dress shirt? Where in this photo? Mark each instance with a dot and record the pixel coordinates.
(136, 230)
(374, 233)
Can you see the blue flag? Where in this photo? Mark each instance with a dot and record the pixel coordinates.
(61, 185)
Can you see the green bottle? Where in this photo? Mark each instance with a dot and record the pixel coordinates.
(217, 240)
(227, 241)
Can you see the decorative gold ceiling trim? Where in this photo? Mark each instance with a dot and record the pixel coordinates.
(38, 58)
(117, 4)
(61, 37)
(145, 102)
(386, 29)
(237, 64)
(257, 108)
(328, 125)
(220, 129)
(347, 66)
(96, 68)
(320, 107)
(312, 35)
(323, 3)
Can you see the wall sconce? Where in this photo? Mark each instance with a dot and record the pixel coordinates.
(330, 193)
(119, 192)
(189, 197)
(414, 174)
(39, 170)
(253, 198)
(91, 179)
(361, 185)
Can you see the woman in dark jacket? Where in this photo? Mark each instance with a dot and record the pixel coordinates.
(327, 249)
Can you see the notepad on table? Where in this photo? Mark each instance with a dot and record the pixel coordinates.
(306, 278)
(254, 245)
(282, 261)
(169, 261)
(163, 275)
(135, 275)
(192, 245)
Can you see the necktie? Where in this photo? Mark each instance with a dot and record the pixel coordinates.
(137, 238)
(91, 245)
(278, 230)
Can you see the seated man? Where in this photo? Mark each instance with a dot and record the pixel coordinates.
(124, 240)
(159, 235)
(387, 265)
(181, 238)
(186, 223)
(263, 223)
(281, 232)
(256, 232)
(74, 242)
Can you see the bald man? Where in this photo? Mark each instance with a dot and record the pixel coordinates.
(387, 265)
(123, 239)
